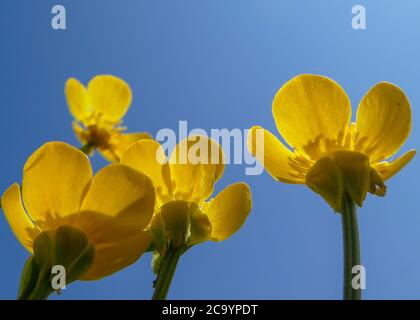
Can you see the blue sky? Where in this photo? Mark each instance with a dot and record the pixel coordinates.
(218, 64)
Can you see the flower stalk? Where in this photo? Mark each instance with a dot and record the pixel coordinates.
(87, 148)
(351, 247)
(166, 272)
(67, 247)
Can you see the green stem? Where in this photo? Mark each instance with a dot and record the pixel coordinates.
(87, 148)
(166, 272)
(351, 247)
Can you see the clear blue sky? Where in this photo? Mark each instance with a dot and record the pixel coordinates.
(218, 64)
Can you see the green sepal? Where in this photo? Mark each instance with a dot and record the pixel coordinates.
(344, 172)
(28, 279)
(179, 223)
(65, 246)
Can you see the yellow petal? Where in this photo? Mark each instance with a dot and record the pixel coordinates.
(119, 143)
(389, 169)
(112, 257)
(196, 163)
(147, 156)
(383, 121)
(79, 132)
(311, 113)
(22, 226)
(228, 210)
(118, 190)
(109, 96)
(109, 155)
(279, 161)
(77, 99)
(55, 179)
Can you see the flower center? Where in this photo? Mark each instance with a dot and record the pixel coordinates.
(98, 137)
(98, 131)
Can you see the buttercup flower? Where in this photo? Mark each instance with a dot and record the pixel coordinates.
(329, 153)
(98, 110)
(94, 226)
(183, 214)
(340, 160)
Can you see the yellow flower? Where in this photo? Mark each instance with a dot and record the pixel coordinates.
(331, 154)
(58, 192)
(98, 110)
(183, 215)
